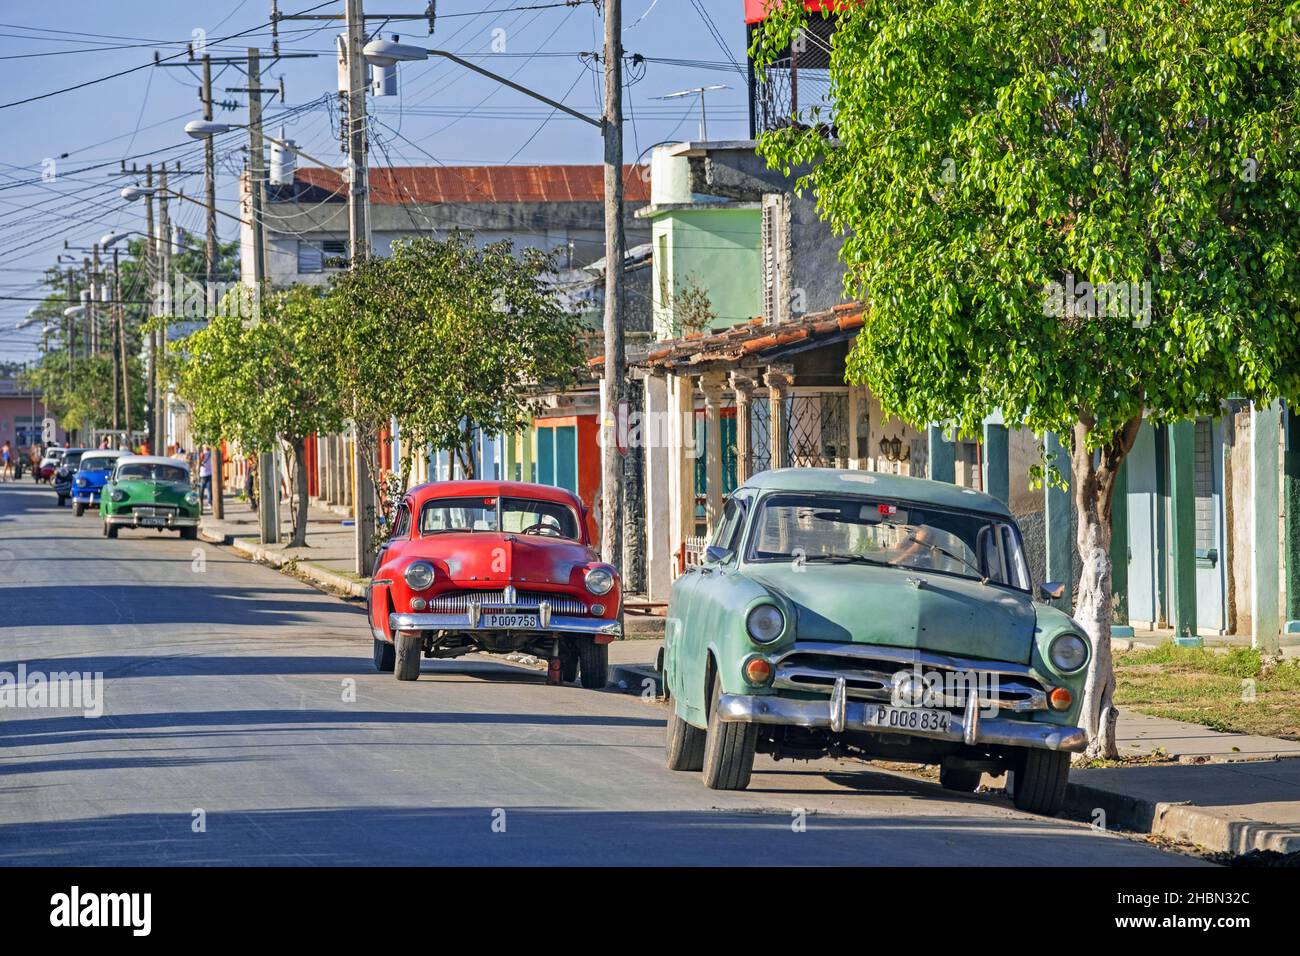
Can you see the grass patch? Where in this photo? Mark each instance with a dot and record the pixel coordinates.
(1235, 692)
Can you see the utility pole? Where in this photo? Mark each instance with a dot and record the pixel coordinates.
(160, 335)
(611, 513)
(152, 276)
(268, 487)
(113, 345)
(359, 250)
(122, 351)
(92, 307)
(210, 292)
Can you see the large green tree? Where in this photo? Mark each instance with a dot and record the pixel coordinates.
(448, 338)
(261, 382)
(985, 155)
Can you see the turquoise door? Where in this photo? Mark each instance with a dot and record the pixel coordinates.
(557, 457)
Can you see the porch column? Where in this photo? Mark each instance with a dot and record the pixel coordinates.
(743, 385)
(685, 452)
(1291, 506)
(712, 384)
(997, 460)
(1056, 521)
(1265, 430)
(779, 378)
(658, 436)
(943, 456)
(1182, 531)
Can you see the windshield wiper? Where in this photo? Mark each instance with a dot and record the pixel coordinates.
(845, 559)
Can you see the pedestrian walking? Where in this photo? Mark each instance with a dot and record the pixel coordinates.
(250, 480)
(6, 462)
(205, 476)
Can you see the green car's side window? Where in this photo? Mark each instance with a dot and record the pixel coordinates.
(727, 536)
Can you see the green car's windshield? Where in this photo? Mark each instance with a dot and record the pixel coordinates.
(144, 471)
(97, 464)
(827, 528)
(551, 519)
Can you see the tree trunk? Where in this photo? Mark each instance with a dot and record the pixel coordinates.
(1094, 474)
(299, 539)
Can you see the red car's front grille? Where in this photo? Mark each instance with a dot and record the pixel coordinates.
(457, 602)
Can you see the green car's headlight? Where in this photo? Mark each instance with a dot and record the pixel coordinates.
(1068, 653)
(765, 623)
(419, 575)
(192, 498)
(117, 495)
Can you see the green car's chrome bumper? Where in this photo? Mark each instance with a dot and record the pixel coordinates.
(149, 521)
(838, 713)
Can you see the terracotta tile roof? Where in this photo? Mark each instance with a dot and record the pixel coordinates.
(754, 338)
(393, 185)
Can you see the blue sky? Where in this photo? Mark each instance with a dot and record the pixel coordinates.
(442, 111)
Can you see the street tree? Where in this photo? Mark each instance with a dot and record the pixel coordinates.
(262, 382)
(983, 159)
(451, 340)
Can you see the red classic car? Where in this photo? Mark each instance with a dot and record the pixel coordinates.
(493, 566)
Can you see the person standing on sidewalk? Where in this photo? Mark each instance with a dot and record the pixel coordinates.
(250, 480)
(205, 476)
(6, 462)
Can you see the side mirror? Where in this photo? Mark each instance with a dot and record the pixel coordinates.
(716, 555)
(1051, 590)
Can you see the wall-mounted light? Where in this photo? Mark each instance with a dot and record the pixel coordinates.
(894, 449)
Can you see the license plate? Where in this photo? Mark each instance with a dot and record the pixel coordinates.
(505, 622)
(154, 522)
(908, 718)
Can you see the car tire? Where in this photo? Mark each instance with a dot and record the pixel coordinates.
(959, 779)
(78, 509)
(728, 748)
(406, 662)
(1040, 780)
(684, 748)
(110, 530)
(385, 656)
(593, 664)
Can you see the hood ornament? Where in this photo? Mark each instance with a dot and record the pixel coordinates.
(917, 583)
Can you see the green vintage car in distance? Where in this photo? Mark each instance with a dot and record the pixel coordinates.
(860, 614)
(147, 491)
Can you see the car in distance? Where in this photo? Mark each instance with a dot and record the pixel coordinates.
(63, 472)
(148, 491)
(851, 613)
(48, 465)
(493, 566)
(89, 478)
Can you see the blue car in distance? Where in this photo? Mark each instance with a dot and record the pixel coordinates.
(92, 471)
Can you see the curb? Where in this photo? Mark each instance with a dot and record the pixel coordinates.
(631, 679)
(1183, 822)
(317, 575)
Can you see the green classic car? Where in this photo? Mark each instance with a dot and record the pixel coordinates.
(852, 613)
(146, 491)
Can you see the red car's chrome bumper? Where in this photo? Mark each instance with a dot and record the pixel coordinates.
(556, 623)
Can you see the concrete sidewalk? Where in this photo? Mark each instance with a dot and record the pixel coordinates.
(327, 560)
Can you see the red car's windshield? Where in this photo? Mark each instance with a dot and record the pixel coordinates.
(550, 519)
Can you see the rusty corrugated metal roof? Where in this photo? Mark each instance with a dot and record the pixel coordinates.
(393, 185)
(753, 338)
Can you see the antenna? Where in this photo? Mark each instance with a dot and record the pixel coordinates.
(697, 91)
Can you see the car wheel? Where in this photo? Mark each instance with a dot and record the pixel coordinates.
(1040, 780)
(110, 530)
(78, 509)
(593, 664)
(684, 749)
(385, 656)
(406, 664)
(728, 748)
(568, 661)
(960, 779)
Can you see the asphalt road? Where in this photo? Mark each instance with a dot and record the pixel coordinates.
(244, 724)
